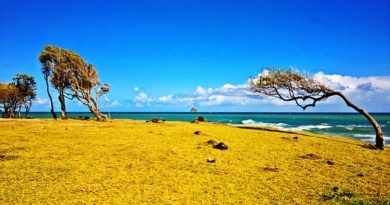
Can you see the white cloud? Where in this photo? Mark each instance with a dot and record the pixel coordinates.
(349, 84)
(368, 91)
(228, 94)
(171, 99)
(136, 89)
(166, 99)
(42, 101)
(200, 91)
(141, 99)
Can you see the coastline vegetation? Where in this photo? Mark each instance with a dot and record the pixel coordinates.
(135, 162)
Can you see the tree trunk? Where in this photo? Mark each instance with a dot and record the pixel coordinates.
(27, 107)
(99, 116)
(379, 140)
(50, 98)
(19, 110)
(61, 98)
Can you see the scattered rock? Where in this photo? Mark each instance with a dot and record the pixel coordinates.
(271, 169)
(220, 146)
(201, 119)
(195, 121)
(216, 145)
(197, 132)
(330, 162)
(369, 146)
(311, 156)
(80, 118)
(360, 175)
(155, 120)
(335, 189)
(211, 142)
(211, 160)
(295, 138)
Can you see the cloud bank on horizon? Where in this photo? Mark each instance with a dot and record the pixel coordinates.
(372, 93)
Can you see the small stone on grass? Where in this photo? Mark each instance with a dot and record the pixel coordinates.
(211, 160)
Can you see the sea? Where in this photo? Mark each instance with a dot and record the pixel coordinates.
(351, 125)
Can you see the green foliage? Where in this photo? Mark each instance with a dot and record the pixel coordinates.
(337, 195)
(20, 93)
(68, 71)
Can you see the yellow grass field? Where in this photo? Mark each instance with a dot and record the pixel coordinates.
(134, 162)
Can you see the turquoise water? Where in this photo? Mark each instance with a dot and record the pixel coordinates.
(342, 124)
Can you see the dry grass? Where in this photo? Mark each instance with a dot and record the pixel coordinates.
(133, 162)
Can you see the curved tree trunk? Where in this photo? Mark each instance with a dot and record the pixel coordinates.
(99, 116)
(379, 140)
(61, 98)
(50, 98)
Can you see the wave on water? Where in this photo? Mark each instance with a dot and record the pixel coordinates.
(251, 122)
(284, 126)
(310, 127)
(353, 126)
(369, 136)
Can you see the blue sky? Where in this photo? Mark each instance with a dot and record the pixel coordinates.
(172, 55)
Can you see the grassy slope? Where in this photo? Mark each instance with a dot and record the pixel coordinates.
(134, 162)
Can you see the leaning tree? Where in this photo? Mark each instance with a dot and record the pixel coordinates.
(48, 62)
(58, 64)
(292, 86)
(84, 82)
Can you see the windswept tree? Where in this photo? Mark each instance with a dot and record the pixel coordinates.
(26, 86)
(60, 66)
(48, 62)
(85, 82)
(73, 78)
(292, 86)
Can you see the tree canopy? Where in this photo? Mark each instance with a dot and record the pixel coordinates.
(73, 78)
(20, 93)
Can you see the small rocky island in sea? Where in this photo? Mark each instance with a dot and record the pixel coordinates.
(193, 110)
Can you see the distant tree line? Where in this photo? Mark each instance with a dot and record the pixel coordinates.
(17, 95)
(73, 78)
